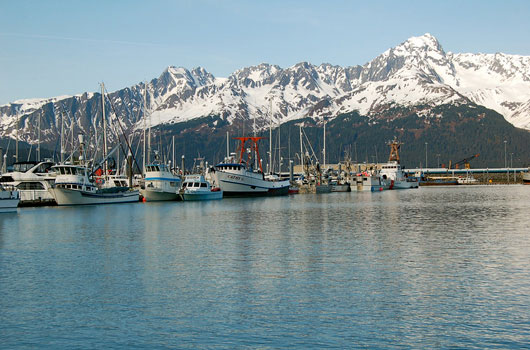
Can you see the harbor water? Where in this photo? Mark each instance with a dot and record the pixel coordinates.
(425, 268)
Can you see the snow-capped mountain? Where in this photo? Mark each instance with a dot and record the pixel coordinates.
(417, 73)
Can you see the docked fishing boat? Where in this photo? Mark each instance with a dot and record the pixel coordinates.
(338, 186)
(75, 185)
(438, 180)
(239, 178)
(160, 184)
(32, 180)
(9, 199)
(392, 170)
(370, 182)
(196, 188)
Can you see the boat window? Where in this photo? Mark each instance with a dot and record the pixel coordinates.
(156, 168)
(6, 179)
(172, 184)
(44, 167)
(196, 184)
(80, 171)
(30, 186)
(204, 185)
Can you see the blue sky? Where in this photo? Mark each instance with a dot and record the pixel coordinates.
(52, 48)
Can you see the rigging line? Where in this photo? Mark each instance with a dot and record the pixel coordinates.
(309, 143)
(123, 132)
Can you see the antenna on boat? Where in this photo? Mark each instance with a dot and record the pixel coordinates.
(227, 146)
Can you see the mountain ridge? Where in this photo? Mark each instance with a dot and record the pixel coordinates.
(417, 72)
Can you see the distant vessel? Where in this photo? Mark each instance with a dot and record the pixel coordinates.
(241, 179)
(392, 170)
(74, 185)
(160, 184)
(196, 188)
(9, 199)
(32, 180)
(437, 180)
(370, 182)
(526, 178)
(468, 180)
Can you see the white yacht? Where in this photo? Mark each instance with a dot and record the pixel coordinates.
(393, 172)
(74, 185)
(196, 188)
(160, 184)
(9, 199)
(33, 181)
(241, 179)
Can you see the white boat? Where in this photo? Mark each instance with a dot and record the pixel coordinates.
(33, 181)
(370, 182)
(392, 170)
(160, 184)
(9, 199)
(240, 179)
(196, 188)
(74, 185)
(468, 180)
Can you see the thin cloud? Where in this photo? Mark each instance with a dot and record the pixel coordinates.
(65, 38)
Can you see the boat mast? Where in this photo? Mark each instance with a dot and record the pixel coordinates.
(301, 148)
(227, 146)
(62, 138)
(104, 129)
(324, 150)
(38, 144)
(16, 144)
(148, 133)
(145, 123)
(173, 157)
(72, 137)
(270, 136)
(279, 149)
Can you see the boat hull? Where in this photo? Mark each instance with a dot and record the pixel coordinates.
(340, 188)
(65, 196)
(156, 196)
(236, 185)
(8, 205)
(203, 196)
(404, 185)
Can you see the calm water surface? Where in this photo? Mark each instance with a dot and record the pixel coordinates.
(426, 268)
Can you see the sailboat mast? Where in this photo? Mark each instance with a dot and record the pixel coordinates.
(145, 124)
(104, 129)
